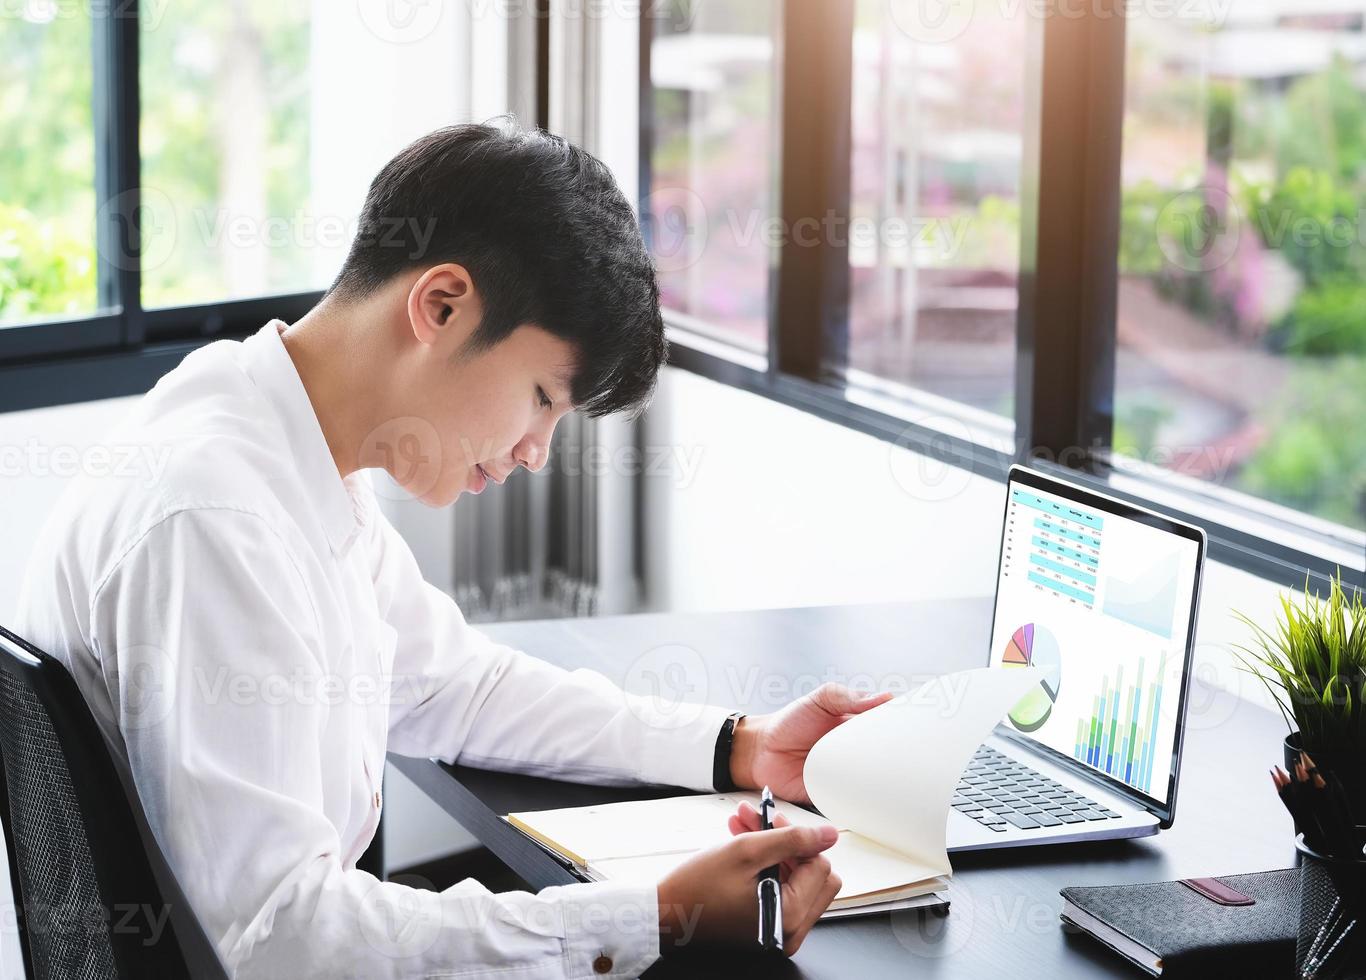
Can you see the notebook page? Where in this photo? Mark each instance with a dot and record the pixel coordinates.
(864, 867)
(681, 824)
(890, 772)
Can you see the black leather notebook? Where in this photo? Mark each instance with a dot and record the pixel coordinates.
(1240, 925)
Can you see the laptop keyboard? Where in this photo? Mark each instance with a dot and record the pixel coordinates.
(999, 792)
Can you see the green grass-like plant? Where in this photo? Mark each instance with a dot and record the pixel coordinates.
(1314, 665)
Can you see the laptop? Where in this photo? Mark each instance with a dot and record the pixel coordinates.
(1102, 596)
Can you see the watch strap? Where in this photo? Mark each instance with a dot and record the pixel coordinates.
(720, 772)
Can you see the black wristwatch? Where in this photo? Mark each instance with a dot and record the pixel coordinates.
(720, 770)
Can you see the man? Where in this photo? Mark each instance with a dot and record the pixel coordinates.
(253, 635)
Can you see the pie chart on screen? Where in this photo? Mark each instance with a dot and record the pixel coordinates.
(1034, 646)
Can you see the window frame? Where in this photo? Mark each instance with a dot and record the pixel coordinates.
(122, 348)
(1070, 205)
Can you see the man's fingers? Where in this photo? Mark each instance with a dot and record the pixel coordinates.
(819, 904)
(740, 823)
(785, 844)
(801, 888)
(839, 700)
(804, 898)
(746, 818)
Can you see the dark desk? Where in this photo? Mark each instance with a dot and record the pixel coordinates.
(1004, 920)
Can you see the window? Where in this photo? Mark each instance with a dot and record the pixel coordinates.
(47, 164)
(934, 232)
(1131, 233)
(262, 124)
(709, 213)
(1241, 334)
(170, 174)
(225, 92)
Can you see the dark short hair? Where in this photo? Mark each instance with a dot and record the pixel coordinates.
(547, 237)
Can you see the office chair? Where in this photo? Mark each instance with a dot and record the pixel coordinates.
(94, 897)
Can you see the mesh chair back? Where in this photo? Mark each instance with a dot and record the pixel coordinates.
(94, 897)
(60, 895)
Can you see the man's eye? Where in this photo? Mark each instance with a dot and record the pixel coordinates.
(543, 397)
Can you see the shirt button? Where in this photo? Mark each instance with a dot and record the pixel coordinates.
(376, 799)
(603, 964)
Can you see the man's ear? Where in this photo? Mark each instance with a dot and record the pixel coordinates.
(443, 307)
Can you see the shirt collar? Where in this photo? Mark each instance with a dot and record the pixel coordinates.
(339, 504)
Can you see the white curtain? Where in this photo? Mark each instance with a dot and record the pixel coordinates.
(562, 542)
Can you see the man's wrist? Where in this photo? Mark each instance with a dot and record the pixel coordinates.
(742, 753)
(670, 935)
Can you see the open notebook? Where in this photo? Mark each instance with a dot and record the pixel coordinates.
(883, 778)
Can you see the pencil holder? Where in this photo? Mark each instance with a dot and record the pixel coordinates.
(1332, 930)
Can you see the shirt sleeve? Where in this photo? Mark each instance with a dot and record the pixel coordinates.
(207, 635)
(487, 705)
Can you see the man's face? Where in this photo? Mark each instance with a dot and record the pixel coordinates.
(450, 420)
(490, 414)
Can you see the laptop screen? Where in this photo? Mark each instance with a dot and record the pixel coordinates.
(1100, 595)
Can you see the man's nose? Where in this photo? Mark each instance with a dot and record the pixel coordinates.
(531, 456)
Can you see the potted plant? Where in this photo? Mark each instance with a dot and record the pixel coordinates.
(1314, 665)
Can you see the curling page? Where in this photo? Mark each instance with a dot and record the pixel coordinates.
(888, 774)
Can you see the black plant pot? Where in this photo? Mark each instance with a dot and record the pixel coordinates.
(1348, 768)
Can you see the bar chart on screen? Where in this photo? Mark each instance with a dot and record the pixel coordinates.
(1119, 736)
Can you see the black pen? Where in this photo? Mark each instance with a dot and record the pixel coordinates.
(770, 891)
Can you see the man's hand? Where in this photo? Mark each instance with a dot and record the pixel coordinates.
(770, 750)
(712, 897)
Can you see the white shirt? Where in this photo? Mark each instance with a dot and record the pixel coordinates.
(253, 633)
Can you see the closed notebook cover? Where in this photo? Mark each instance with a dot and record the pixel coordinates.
(1196, 931)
